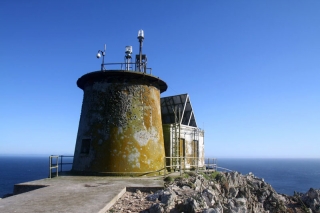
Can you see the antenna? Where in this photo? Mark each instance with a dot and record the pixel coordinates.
(128, 56)
(103, 54)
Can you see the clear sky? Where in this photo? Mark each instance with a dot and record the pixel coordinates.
(251, 69)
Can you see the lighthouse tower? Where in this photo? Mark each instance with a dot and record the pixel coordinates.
(120, 129)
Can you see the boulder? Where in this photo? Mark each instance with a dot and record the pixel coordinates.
(312, 199)
(156, 208)
(155, 196)
(211, 210)
(168, 199)
(190, 206)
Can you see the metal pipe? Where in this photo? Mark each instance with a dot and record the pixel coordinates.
(140, 55)
(49, 166)
(61, 163)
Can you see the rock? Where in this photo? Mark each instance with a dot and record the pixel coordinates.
(217, 187)
(211, 210)
(209, 197)
(168, 198)
(190, 206)
(312, 199)
(185, 187)
(231, 192)
(155, 196)
(197, 184)
(241, 202)
(156, 208)
(313, 194)
(152, 197)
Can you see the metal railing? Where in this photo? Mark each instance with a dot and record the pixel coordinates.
(53, 165)
(181, 164)
(211, 163)
(61, 161)
(57, 163)
(127, 67)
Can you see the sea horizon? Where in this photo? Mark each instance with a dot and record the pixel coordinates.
(224, 157)
(285, 175)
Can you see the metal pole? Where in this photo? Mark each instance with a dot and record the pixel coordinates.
(102, 65)
(140, 53)
(50, 167)
(165, 168)
(171, 148)
(183, 155)
(180, 166)
(61, 163)
(57, 168)
(102, 61)
(197, 159)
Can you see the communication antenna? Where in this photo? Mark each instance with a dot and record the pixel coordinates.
(103, 54)
(141, 60)
(128, 56)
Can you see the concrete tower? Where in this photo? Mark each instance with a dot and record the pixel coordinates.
(120, 128)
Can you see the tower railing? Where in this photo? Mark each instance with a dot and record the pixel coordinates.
(56, 162)
(126, 67)
(53, 164)
(180, 165)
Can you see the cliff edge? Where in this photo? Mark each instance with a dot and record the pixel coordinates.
(217, 192)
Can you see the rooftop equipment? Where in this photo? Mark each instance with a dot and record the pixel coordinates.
(103, 54)
(141, 59)
(128, 57)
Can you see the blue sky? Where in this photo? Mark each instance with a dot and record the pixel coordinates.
(251, 69)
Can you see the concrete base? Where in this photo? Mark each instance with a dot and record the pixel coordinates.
(75, 193)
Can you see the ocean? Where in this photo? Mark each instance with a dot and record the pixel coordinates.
(20, 169)
(284, 175)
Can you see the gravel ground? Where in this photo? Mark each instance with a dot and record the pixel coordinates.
(132, 202)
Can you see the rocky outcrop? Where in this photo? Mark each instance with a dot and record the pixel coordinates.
(227, 192)
(310, 200)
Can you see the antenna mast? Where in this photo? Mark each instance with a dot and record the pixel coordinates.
(128, 56)
(140, 57)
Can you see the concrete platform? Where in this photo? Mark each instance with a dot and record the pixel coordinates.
(75, 193)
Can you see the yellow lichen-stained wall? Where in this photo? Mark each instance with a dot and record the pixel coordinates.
(120, 128)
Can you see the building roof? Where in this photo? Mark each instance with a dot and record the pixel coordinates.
(170, 107)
